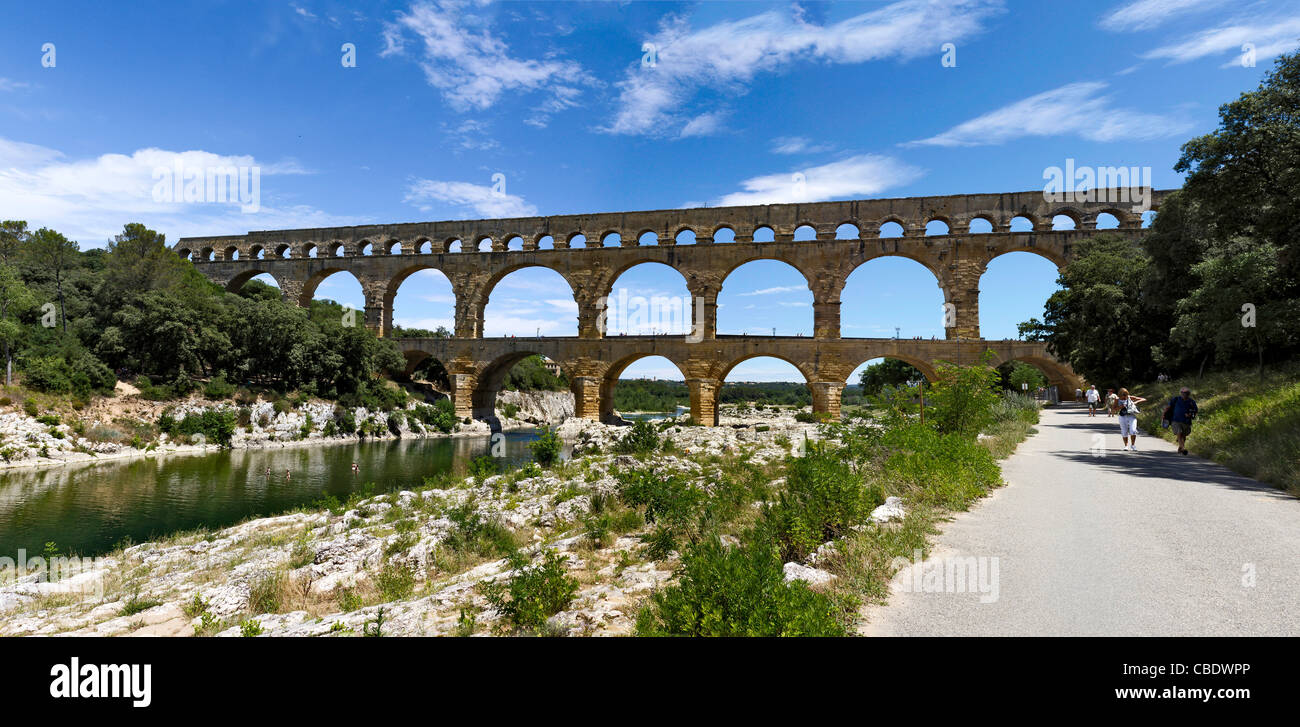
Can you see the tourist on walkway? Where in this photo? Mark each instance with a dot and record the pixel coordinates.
(1094, 398)
(1180, 412)
(1112, 403)
(1128, 419)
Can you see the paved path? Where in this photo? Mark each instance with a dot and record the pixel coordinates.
(1126, 543)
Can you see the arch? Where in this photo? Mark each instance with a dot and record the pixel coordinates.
(257, 252)
(576, 239)
(1107, 221)
(354, 299)
(611, 239)
(234, 284)
(647, 237)
(890, 227)
(484, 244)
(642, 307)
(207, 254)
(515, 242)
(981, 225)
(544, 304)
(231, 253)
(1057, 374)
(764, 233)
(724, 234)
(1067, 218)
(805, 232)
(310, 250)
(1022, 223)
(284, 250)
(454, 245)
(730, 366)
(891, 295)
(920, 364)
(393, 247)
(1148, 217)
(938, 227)
(769, 280)
(684, 236)
(334, 248)
(546, 242)
(609, 383)
(422, 246)
(492, 375)
(437, 294)
(848, 231)
(365, 247)
(184, 253)
(434, 370)
(1015, 287)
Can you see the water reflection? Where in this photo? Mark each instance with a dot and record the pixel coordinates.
(88, 509)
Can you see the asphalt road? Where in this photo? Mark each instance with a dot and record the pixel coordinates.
(1107, 543)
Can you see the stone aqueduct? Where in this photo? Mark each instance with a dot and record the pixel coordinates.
(475, 254)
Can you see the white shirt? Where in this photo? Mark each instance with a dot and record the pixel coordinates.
(1094, 396)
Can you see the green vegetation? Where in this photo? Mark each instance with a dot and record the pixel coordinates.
(534, 593)
(531, 374)
(1247, 422)
(650, 395)
(546, 448)
(889, 372)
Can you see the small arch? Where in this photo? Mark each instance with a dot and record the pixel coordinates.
(184, 253)
(891, 228)
(423, 246)
(577, 240)
(764, 233)
(1148, 217)
(515, 243)
(309, 250)
(804, 233)
(848, 231)
(232, 253)
(1022, 223)
(365, 247)
(1107, 221)
(649, 237)
(208, 255)
(546, 242)
(685, 236)
(484, 244)
(724, 234)
(1064, 222)
(980, 225)
(284, 251)
(611, 239)
(257, 252)
(454, 245)
(393, 247)
(937, 228)
(337, 249)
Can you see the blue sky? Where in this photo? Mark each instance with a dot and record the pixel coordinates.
(560, 98)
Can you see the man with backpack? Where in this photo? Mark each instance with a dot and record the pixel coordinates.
(1180, 412)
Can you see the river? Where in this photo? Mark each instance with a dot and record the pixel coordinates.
(88, 509)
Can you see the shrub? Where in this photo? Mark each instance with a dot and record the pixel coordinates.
(546, 448)
(671, 500)
(962, 400)
(440, 416)
(473, 533)
(217, 388)
(823, 498)
(345, 419)
(265, 592)
(250, 627)
(948, 470)
(484, 466)
(534, 593)
(396, 580)
(641, 439)
(739, 591)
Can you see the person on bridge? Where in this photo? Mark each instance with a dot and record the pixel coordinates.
(1094, 398)
(1128, 419)
(1180, 412)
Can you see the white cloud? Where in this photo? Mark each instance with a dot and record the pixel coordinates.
(703, 125)
(89, 200)
(777, 289)
(1269, 38)
(728, 55)
(857, 176)
(1147, 14)
(472, 66)
(797, 145)
(482, 200)
(8, 85)
(1077, 108)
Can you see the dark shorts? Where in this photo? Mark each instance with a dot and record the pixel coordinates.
(1180, 428)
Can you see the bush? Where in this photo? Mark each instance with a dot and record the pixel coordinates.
(962, 400)
(265, 592)
(217, 388)
(534, 593)
(823, 498)
(396, 580)
(546, 448)
(739, 591)
(440, 416)
(473, 533)
(484, 466)
(641, 439)
(947, 470)
(216, 425)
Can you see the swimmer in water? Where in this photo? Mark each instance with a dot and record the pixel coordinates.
(287, 475)
(355, 469)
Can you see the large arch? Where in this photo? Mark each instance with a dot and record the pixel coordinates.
(237, 282)
(490, 378)
(609, 382)
(648, 297)
(767, 279)
(335, 288)
(504, 315)
(892, 295)
(1014, 287)
(431, 305)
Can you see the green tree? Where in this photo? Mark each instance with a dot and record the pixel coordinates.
(138, 260)
(54, 254)
(889, 372)
(15, 299)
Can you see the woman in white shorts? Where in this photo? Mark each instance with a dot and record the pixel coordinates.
(1128, 420)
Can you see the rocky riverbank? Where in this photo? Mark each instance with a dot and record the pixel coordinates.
(413, 562)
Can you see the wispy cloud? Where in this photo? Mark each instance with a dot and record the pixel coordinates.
(90, 199)
(9, 85)
(1077, 108)
(1147, 14)
(480, 200)
(797, 145)
(728, 55)
(472, 66)
(776, 289)
(857, 176)
(1269, 38)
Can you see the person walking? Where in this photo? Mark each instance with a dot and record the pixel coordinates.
(1180, 412)
(1112, 403)
(1128, 419)
(1094, 398)
(1078, 394)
